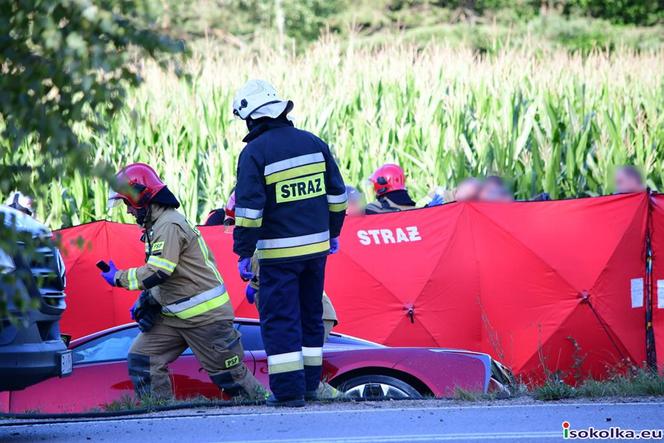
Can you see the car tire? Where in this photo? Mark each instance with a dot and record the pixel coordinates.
(377, 387)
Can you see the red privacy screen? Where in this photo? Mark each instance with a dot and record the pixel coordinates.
(541, 286)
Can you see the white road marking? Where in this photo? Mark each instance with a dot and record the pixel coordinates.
(411, 437)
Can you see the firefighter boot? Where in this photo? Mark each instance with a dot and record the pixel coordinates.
(240, 384)
(325, 392)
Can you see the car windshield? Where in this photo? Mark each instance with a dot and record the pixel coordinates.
(110, 347)
(343, 340)
(115, 345)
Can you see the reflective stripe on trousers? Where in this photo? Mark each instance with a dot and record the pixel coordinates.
(312, 356)
(198, 304)
(288, 362)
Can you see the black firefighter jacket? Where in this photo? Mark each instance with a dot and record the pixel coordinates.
(290, 196)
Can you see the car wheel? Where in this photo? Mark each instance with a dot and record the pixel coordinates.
(376, 387)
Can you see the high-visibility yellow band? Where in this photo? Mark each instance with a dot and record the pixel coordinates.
(312, 356)
(285, 367)
(133, 280)
(298, 171)
(201, 308)
(162, 263)
(206, 257)
(248, 213)
(288, 362)
(337, 207)
(312, 361)
(295, 251)
(248, 222)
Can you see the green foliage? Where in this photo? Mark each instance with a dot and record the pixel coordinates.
(63, 65)
(554, 389)
(302, 20)
(550, 120)
(125, 403)
(637, 382)
(293, 24)
(640, 12)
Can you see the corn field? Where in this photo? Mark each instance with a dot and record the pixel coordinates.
(547, 120)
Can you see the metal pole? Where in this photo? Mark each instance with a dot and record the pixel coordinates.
(651, 354)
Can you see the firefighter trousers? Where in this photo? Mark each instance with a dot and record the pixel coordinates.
(217, 347)
(291, 311)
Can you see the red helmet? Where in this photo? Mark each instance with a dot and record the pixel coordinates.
(387, 178)
(229, 209)
(137, 185)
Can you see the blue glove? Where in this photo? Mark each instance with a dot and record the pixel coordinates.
(334, 245)
(109, 276)
(437, 200)
(244, 266)
(250, 293)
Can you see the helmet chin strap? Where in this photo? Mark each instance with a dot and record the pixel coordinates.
(143, 215)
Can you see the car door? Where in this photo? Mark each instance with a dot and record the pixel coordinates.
(100, 379)
(190, 380)
(252, 342)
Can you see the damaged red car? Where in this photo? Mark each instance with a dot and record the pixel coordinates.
(362, 369)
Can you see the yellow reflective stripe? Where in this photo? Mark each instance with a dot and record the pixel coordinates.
(338, 207)
(288, 362)
(313, 361)
(248, 222)
(133, 280)
(206, 257)
(285, 367)
(312, 356)
(295, 251)
(162, 263)
(295, 172)
(203, 307)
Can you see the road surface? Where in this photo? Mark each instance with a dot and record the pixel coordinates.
(425, 421)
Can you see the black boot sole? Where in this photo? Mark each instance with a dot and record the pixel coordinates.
(295, 403)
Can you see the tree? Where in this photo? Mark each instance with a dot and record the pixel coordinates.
(65, 66)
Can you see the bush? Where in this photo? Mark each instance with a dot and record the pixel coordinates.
(638, 12)
(554, 389)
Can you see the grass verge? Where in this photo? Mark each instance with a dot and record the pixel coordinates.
(638, 383)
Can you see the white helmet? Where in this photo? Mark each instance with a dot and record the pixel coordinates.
(256, 99)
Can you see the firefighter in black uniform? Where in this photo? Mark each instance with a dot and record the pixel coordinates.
(290, 206)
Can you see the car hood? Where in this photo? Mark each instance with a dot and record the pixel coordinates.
(22, 222)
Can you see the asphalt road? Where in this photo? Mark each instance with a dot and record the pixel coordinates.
(425, 421)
